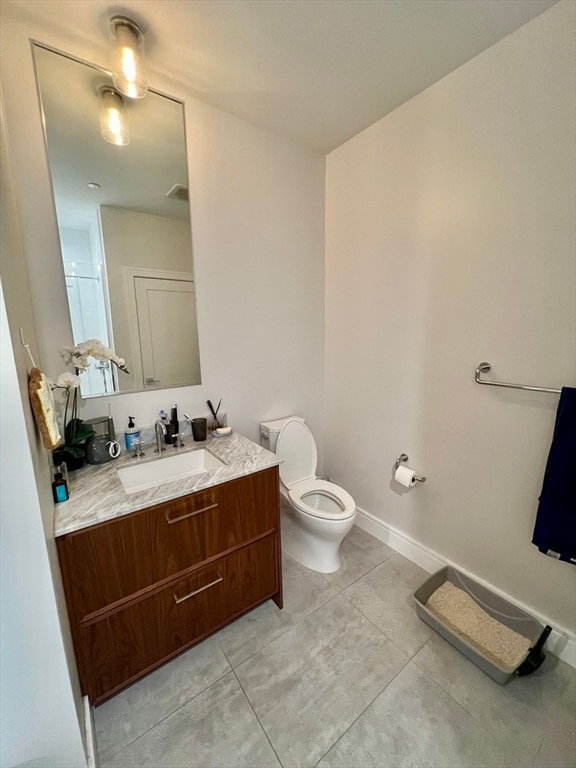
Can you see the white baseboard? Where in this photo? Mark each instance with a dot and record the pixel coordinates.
(91, 752)
(561, 642)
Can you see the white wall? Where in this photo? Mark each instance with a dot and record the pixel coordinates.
(135, 239)
(38, 720)
(40, 692)
(257, 205)
(450, 241)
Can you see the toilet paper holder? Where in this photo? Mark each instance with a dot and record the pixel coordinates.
(402, 458)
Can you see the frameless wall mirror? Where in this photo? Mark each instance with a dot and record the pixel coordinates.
(120, 181)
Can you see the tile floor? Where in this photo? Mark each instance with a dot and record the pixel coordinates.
(346, 676)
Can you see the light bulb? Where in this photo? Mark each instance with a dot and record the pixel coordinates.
(127, 58)
(113, 123)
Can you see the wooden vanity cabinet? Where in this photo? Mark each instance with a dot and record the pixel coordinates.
(143, 587)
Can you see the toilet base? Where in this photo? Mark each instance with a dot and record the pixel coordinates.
(314, 542)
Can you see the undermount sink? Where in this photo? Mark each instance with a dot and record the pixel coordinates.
(165, 470)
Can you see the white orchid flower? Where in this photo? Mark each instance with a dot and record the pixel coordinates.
(79, 354)
(68, 380)
(67, 353)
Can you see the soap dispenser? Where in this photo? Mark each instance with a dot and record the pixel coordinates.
(131, 434)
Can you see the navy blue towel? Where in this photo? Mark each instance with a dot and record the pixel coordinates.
(555, 529)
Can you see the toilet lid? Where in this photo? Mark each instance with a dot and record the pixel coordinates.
(297, 449)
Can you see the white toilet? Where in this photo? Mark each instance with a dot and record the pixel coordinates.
(319, 514)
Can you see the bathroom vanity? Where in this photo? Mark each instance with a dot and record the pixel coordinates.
(149, 574)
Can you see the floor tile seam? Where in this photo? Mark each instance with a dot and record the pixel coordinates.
(541, 742)
(395, 644)
(264, 731)
(434, 634)
(388, 556)
(495, 737)
(355, 580)
(363, 712)
(447, 692)
(278, 636)
(334, 597)
(159, 722)
(420, 647)
(438, 683)
(118, 751)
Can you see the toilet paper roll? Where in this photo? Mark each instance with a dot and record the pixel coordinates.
(405, 476)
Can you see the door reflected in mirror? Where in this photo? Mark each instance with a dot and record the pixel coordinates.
(124, 222)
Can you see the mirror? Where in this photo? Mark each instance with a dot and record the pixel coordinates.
(124, 223)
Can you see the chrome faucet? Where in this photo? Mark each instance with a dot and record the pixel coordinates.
(160, 430)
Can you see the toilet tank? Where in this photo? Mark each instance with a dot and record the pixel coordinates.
(269, 431)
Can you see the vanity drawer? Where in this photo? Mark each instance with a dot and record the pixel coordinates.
(128, 642)
(116, 559)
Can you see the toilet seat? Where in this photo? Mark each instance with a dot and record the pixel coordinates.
(320, 498)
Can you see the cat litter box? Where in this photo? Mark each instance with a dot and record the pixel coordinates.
(500, 638)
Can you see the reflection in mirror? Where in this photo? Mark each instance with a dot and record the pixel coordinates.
(124, 224)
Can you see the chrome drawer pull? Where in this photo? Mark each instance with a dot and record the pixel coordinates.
(196, 591)
(171, 520)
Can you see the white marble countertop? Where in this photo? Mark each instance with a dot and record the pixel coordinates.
(97, 494)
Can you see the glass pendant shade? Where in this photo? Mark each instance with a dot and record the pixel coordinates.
(113, 123)
(127, 58)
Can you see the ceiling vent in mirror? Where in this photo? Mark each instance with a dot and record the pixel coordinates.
(178, 192)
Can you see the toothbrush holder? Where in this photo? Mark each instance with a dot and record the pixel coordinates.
(215, 423)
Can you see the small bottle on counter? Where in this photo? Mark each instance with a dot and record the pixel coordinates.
(59, 488)
(131, 434)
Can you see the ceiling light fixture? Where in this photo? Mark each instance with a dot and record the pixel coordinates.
(127, 58)
(113, 123)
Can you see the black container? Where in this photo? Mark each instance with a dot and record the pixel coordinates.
(62, 455)
(199, 429)
(171, 432)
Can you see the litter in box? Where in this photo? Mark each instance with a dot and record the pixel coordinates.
(498, 636)
(462, 614)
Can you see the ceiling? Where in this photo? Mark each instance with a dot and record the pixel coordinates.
(314, 71)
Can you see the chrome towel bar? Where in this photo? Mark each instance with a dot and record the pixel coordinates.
(485, 367)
